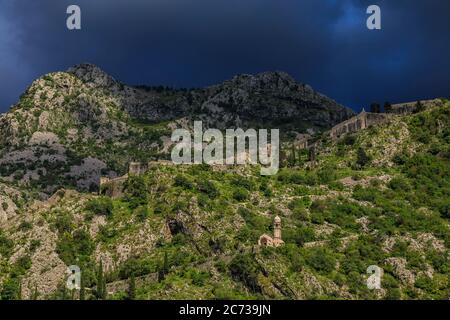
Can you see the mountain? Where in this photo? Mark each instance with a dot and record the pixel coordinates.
(69, 127)
(375, 197)
(270, 97)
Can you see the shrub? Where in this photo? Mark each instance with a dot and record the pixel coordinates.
(318, 206)
(311, 179)
(136, 267)
(265, 189)
(244, 268)
(6, 245)
(100, 206)
(25, 226)
(63, 223)
(321, 260)
(362, 158)
(240, 194)
(349, 140)
(299, 235)
(22, 264)
(393, 294)
(10, 289)
(304, 202)
(444, 209)
(399, 184)
(326, 175)
(142, 213)
(365, 194)
(136, 191)
(208, 187)
(243, 182)
(183, 182)
(75, 248)
(399, 158)
(199, 278)
(34, 244)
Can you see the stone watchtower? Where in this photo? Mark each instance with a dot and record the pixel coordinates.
(277, 232)
(136, 168)
(277, 228)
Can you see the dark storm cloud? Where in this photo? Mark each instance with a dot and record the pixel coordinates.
(194, 43)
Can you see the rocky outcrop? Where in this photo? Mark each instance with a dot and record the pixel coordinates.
(269, 97)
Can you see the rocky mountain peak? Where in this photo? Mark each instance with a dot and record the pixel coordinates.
(264, 80)
(93, 75)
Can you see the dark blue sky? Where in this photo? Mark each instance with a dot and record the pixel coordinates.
(192, 43)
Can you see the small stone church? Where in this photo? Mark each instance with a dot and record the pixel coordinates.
(267, 241)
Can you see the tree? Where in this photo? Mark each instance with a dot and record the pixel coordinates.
(101, 282)
(387, 107)
(240, 194)
(312, 154)
(166, 263)
(362, 157)
(35, 294)
(136, 191)
(82, 291)
(245, 268)
(419, 107)
(293, 159)
(208, 187)
(163, 269)
(10, 289)
(132, 288)
(321, 259)
(375, 108)
(100, 206)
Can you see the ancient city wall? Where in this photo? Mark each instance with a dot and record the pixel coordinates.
(358, 123)
(411, 107)
(112, 187)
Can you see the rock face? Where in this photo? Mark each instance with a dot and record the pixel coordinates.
(66, 117)
(270, 97)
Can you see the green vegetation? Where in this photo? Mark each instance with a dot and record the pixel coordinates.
(377, 197)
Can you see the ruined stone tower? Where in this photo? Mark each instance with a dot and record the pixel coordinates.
(137, 168)
(277, 232)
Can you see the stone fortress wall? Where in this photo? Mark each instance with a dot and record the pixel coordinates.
(113, 187)
(365, 119)
(411, 107)
(359, 122)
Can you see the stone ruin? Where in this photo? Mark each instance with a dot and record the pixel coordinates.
(359, 122)
(267, 241)
(113, 187)
(411, 107)
(302, 141)
(137, 168)
(365, 119)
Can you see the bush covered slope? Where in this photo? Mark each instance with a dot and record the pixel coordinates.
(379, 197)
